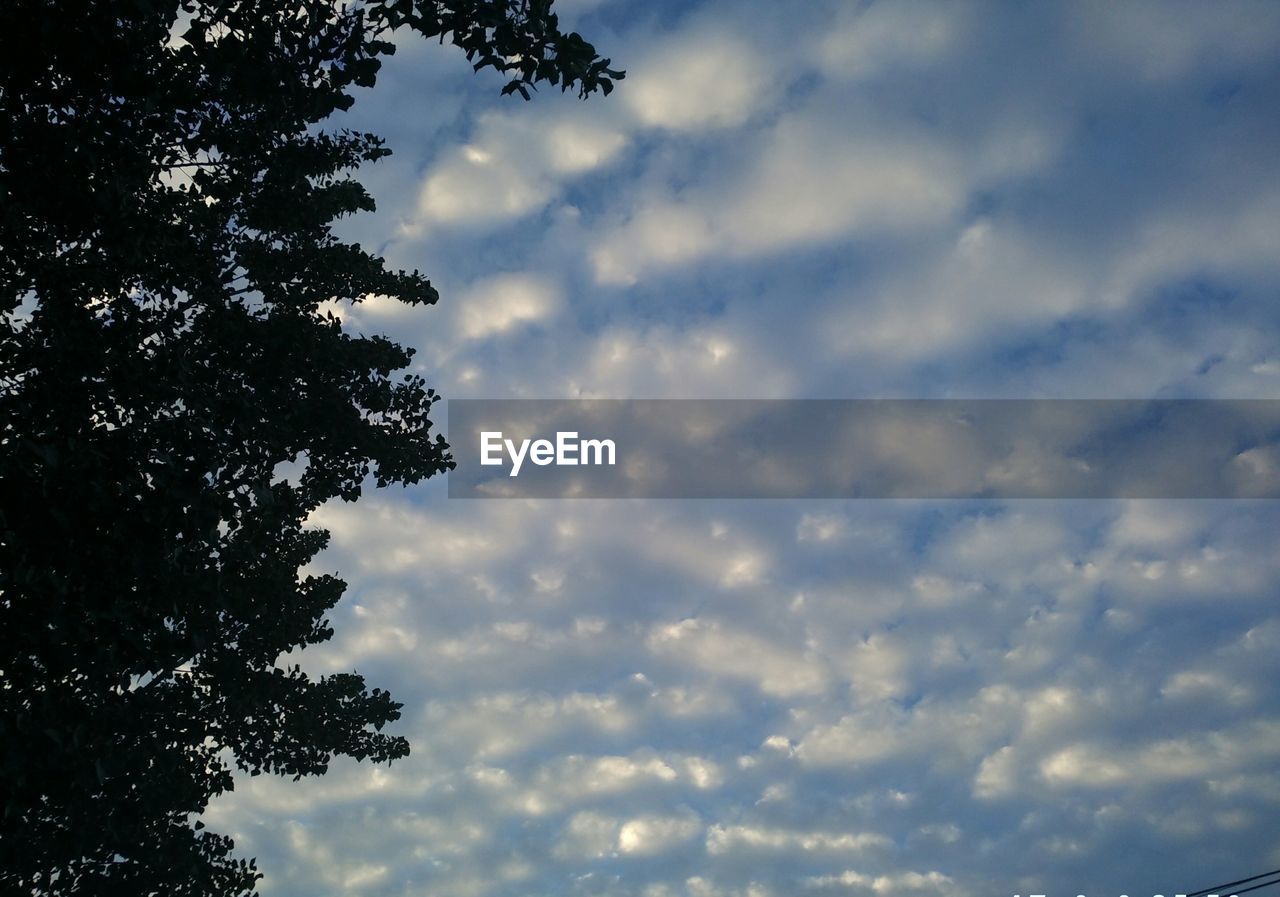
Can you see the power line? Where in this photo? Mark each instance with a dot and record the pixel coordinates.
(1218, 889)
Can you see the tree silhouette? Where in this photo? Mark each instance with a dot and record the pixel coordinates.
(166, 256)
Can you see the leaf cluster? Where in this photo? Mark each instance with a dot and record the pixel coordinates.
(170, 348)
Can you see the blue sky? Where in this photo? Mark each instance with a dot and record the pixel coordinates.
(774, 699)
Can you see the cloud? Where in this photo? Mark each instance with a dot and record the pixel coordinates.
(1189, 758)
(808, 181)
(720, 651)
(881, 38)
(650, 835)
(762, 699)
(513, 165)
(729, 839)
(704, 78)
(902, 883)
(502, 303)
(605, 727)
(1162, 41)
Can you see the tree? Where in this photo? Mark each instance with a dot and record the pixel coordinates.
(166, 262)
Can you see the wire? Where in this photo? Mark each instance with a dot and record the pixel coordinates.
(1218, 889)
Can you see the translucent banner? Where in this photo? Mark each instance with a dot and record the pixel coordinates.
(864, 448)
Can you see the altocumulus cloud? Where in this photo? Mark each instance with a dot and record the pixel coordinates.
(703, 699)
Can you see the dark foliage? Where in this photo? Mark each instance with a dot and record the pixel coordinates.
(166, 198)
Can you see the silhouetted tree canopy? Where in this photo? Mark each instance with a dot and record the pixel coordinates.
(166, 259)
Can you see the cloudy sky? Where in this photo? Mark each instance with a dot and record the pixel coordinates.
(778, 699)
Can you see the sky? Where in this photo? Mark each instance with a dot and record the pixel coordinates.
(787, 698)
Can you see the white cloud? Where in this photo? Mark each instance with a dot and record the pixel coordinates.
(730, 838)
(1194, 757)
(706, 78)
(857, 739)
(996, 775)
(878, 668)
(683, 699)
(587, 835)
(505, 302)
(819, 527)
(1163, 40)
(813, 182)
(810, 180)
(716, 361)
(883, 38)
(651, 835)
(504, 724)
(657, 235)
(721, 651)
(514, 165)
